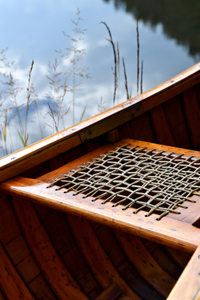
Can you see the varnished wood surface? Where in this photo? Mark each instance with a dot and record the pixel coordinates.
(21, 160)
(11, 284)
(166, 231)
(188, 285)
(50, 263)
(40, 241)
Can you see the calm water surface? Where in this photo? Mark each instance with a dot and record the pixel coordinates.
(169, 35)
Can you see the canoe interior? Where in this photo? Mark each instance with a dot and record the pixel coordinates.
(50, 254)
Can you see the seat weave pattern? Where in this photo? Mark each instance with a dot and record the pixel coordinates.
(157, 182)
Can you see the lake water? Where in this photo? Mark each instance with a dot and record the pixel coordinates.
(32, 30)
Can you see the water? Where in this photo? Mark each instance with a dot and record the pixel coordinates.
(169, 44)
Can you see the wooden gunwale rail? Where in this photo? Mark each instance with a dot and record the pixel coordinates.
(45, 149)
(178, 231)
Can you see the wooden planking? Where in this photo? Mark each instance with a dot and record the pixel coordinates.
(145, 264)
(95, 143)
(142, 129)
(110, 293)
(74, 153)
(123, 297)
(60, 234)
(41, 289)
(162, 258)
(161, 127)
(14, 165)
(52, 267)
(11, 283)
(20, 247)
(188, 285)
(172, 87)
(124, 267)
(28, 269)
(96, 257)
(192, 112)
(137, 283)
(2, 297)
(197, 91)
(125, 131)
(175, 116)
(9, 228)
(109, 242)
(37, 171)
(166, 231)
(180, 258)
(73, 164)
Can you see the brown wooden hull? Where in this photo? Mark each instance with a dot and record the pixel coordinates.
(56, 249)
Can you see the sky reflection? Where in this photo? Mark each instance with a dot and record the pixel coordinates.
(33, 30)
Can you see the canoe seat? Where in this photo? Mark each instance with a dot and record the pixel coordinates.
(146, 179)
(142, 188)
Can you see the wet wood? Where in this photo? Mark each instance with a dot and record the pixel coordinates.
(188, 285)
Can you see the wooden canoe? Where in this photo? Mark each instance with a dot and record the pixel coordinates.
(109, 208)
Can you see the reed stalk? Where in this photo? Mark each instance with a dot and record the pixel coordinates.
(125, 77)
(29, 91)
(138, 56)
(115, 61)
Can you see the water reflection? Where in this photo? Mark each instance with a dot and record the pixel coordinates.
(29, 40)
(180, 19)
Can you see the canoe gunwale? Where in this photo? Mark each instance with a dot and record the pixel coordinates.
(88, 129)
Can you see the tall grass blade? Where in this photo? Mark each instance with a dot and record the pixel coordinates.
(4, 134)
(141, 78)
(115, 61)
(82, 115)
(21, 138)
(125, 77)
(138, 56)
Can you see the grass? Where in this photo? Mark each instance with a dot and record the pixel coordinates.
(61, 98)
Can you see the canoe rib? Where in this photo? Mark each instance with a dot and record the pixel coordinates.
(166, 231)
(96, 257)
(144, 263)
(145, 256)
(188, 284)
(11, 283)
(50, 264)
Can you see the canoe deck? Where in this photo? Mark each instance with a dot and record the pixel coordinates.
(66, 211)
(108, 209)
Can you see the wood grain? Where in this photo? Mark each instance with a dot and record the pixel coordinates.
(166, 231)
(188, 285)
